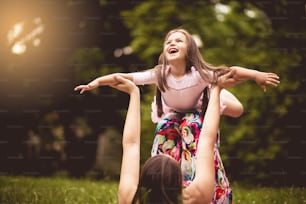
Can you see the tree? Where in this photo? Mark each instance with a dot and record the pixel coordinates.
(234, 34)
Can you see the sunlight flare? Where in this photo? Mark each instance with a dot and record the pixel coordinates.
(18, 39)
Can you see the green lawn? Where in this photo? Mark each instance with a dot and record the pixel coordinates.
(56, 191)
(264, 195)
(64, 191)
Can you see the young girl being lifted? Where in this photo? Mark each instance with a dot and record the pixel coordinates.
(183, 80)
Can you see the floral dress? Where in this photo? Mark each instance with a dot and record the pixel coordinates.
(177, 135)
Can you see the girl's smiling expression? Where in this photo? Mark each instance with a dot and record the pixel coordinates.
(175, 47)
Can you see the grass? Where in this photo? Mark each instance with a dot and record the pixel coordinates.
(265, 195)
(65, 191)
(27, 190)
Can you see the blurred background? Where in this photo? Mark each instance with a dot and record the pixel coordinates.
(47, 47)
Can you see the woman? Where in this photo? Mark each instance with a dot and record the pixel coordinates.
(161, 177)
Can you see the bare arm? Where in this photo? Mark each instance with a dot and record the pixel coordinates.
(233, 107)
(201, 190)
(261, 78)
(129, 175)
(106, 80)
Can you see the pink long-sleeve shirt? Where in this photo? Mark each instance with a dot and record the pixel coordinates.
(183, 95)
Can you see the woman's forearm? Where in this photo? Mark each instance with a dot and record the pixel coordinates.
(129, 174)
(131, 132)
(202, 187)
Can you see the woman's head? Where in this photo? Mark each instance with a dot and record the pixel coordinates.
(160, 181)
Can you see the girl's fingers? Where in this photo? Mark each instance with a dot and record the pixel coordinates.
(272, 83)
(79, 87)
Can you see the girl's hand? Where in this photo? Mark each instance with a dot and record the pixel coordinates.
(82, 88)
(266, 78)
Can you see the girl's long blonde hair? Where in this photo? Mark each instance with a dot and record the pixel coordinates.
(193, 58)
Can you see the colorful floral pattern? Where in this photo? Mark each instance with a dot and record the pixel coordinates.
(177, 135)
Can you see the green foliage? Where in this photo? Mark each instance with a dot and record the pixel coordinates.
(89, 63)
(232, 34)
(148, 22)
(258, 144)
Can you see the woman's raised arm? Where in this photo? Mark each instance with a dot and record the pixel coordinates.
(129, 175)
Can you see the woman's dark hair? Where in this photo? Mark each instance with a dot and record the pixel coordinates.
(160, 181)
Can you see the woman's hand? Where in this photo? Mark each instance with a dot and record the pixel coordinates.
(227, 80)
(124, 85)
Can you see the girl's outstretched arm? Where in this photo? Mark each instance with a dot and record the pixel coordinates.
(106, 80)
(261, 78)
(129, 175)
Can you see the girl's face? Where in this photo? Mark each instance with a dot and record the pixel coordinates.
(175, 47)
